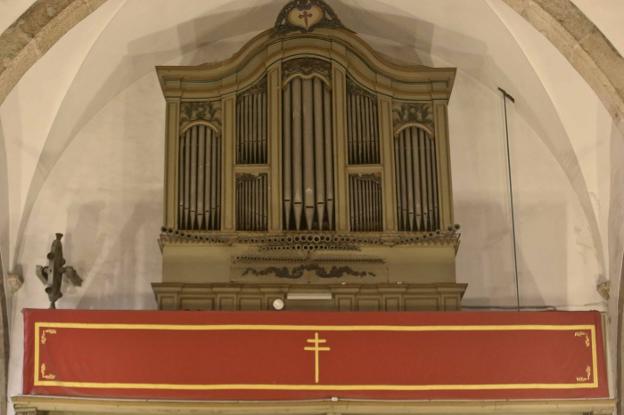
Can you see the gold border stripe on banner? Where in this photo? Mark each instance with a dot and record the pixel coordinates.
(314, 387)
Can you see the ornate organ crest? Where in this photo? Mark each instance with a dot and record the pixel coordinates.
(305, 15)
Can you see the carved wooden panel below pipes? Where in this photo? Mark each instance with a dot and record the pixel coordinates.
(251, 202)
(251, 125)
(416, 180)
(199, 179)
(307, 146)
(362, 125)
(365, 209)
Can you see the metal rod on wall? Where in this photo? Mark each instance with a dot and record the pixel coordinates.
(507, 97)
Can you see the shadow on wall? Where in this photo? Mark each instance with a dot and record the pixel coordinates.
(218, 36)
(487, 250)
(84, 234)
(116, 278)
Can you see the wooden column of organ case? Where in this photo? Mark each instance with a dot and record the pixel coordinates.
(311, 169)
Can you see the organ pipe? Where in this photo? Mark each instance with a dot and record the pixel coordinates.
(251, 202)
(416, 181)
(251, 125)
(199, 174)
(362, 125)
(365, 199)
(307, 144)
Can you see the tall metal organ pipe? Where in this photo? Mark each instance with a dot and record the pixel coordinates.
(362, 125)
(199, 175)
(251, 202)
(251, 125)
(307, 144)
(416, 181)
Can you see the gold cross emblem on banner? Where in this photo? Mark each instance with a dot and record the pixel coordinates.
(316, 349)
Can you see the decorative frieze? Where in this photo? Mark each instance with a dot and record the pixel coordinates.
(406, 113)
(315, 241)
(209, 111)
(306, 67)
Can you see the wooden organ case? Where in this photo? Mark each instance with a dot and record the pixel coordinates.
(307, 168)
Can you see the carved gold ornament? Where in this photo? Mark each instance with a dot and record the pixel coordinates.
(44, 339)
(306, 17)
(585, 335)
(44, 375)
(587, 376)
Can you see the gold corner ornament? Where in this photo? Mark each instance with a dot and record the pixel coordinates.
(44, 375)
(587, 376)
(585, 335)
(316, 348)
(44, 339)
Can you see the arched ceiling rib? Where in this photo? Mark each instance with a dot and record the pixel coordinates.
(583, 45)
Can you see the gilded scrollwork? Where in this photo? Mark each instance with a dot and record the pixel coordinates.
(585, 336)
(259, 87)
(305, 16)
(209, 111)
(44, 334)
(404, 113)
(587, 376)
(45, 374)
(354, 89)
(299, 270)
(306, 67)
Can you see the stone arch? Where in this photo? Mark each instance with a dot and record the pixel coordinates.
(24, 42)
(583, 45)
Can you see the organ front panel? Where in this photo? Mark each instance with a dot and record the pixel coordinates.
(308, 167)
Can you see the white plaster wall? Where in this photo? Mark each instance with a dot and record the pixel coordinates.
(10, 10)
(31, 108)
(105, 194)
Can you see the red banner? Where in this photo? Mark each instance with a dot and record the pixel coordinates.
(289, 355)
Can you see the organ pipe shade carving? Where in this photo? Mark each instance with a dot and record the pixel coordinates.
(251, 125)
(307, 152)
(365, 203)
(362, 125)
(199, 179)
(416, 180)
(251, 202)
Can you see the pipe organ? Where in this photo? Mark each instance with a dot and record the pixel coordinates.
(306, 161)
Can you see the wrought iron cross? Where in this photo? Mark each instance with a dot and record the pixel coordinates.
(52, 275)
